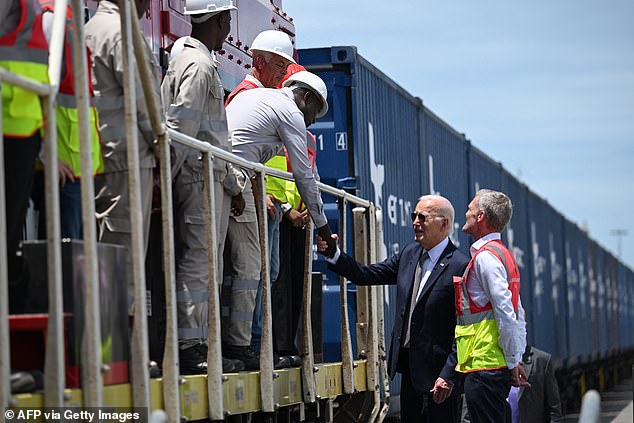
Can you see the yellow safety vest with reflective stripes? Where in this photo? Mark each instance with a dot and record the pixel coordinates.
(68, 141)
(276, 186)
(23, 51)
(477, 332)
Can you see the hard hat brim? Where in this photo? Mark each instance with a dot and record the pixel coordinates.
(279, 53)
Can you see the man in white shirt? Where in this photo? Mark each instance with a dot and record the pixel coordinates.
(192, 95)
(490, 329)
(261, 122)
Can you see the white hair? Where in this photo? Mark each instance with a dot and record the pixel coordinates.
(445, 208)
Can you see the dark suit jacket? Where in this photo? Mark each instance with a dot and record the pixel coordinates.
(434, 317)
(540, 403)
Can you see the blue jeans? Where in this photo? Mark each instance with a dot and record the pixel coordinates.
(69, 208)
(274, 266)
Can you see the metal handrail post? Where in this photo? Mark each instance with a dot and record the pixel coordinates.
(139, 345)
(308, 358)
(56, 44)
(347, 364)
(266, 350)
(373, 351)
(91, 338)
(54, 373)
(382, 355)
(171, 396)
(214, 352)
(5, 346)
(361, 255)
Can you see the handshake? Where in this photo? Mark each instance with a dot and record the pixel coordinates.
(326, 241)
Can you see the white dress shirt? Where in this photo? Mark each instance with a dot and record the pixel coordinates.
(487, 282)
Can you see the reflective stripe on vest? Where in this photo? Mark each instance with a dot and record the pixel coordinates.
(23, 51)
(68, 140)
(477, 333)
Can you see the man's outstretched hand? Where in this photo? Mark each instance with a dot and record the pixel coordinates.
(326, 241)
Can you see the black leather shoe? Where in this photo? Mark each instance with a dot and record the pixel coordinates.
(281, 362)
(250, 358)
(193, 361)
(296, 361)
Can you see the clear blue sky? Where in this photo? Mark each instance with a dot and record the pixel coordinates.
(545, 87)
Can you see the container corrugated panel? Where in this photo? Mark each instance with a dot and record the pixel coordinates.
(543, 310)
(626, 306)
(554, 228)
(446, 164)
(577, 293)
(595, 278)
(611, 300)
(484, 172)
(517, 238)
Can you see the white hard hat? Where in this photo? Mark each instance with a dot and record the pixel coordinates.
(276, 42)
(199, 7)
(312, 82)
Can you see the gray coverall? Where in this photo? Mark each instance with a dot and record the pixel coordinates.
(112, 202)
(262, 121)
(193, 97)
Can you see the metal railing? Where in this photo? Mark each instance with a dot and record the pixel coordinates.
(372, 341)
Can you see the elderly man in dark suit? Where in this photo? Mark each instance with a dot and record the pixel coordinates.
(424, 329)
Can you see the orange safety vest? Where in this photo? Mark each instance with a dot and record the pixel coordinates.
(242, 86)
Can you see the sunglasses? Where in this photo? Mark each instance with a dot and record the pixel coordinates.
(421, 217)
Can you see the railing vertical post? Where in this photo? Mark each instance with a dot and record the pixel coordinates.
(54, 374)
(171, 395)
(214, 353)
(373, 352)
(361, 255)
(382, 356)
(347, 365)
(5, 347)
(266, 350)
(91, 339)
(308, 358)
(139, 345)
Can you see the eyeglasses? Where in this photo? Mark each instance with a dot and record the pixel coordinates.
(421, 217)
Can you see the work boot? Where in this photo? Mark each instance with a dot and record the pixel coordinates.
(250, 358)
(193, 361)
